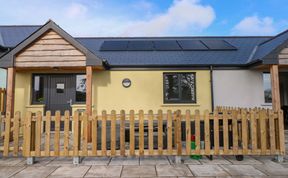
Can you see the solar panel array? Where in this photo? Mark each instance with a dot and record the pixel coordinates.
(166, 45)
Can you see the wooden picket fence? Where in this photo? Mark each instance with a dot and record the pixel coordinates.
(2, 99)
(233, 132)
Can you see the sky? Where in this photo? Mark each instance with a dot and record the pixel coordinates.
(151, 17)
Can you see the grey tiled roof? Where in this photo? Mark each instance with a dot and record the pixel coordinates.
(245, 47)
(246, 51)
(10, 36)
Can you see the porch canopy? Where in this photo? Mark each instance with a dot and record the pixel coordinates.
(49, 48)
(272, 55)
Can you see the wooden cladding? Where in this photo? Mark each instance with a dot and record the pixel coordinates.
(283, 56)
(226, 132)
(51, 50)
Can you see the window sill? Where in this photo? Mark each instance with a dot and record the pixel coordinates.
(180, 104)
(35, 106)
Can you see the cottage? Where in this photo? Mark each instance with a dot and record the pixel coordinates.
(47, 69)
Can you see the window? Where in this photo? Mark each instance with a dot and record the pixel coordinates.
(267, 88)
(179, 88)
(38, 89)
(80, 88)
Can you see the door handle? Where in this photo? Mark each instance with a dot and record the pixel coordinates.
(70, 102)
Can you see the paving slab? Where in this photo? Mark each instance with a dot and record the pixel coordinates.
(70, 171)
(104, 171)
(42, 161)
(215, 160)
(184, 160)
(7, 171)
(242, 170)
(154, 160)
(37, 171)
(10, 161)
(207, 170)
(247, 160)
(273, 170)
(173, 170)
(60, 161)
(117, 161)
(104, 161)
(139, 171)
(188, 160)
(265, 159)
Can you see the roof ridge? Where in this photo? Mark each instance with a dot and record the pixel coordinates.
(281, 33)
(115, 37)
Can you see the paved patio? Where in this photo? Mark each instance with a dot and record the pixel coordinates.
(226, 166)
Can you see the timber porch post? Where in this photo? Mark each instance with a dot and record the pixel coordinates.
(89, 72)
(274, 73)
(10, 90)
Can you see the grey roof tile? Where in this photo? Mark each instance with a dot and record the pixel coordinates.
(10, 36)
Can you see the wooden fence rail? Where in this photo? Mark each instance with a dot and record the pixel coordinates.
(2, 99)
(233, 132)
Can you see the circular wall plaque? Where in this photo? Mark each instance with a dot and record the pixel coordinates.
(126, 82)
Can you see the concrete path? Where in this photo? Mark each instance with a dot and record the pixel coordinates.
(163, 166)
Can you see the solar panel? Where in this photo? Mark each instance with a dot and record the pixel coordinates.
(114, 46)
(166, 45)
(192, 45)
(218, 45)
(140, 45)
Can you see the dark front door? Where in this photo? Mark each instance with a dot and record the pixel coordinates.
(61, 91)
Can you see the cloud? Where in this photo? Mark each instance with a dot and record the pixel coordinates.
(254, 25)
(182, 17)
(112, 18)
(76, 10)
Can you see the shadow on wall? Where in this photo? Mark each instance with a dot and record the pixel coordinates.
(100, 79)
(2, 78)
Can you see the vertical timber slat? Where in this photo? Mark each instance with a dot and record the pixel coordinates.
(122, 133)
(38, 133)
(132, 134)
(141, 133)
(216, 133)
(66, 133)
(225, 132)
(197, 131)
(169, 125)
(94, 133)
(47, 134)
(76, 134)
(207, 132)
(113, 132)
(7, 134)
(160, 132)
(103, 134)
(16, 125)
(150, 132)
(57, 134)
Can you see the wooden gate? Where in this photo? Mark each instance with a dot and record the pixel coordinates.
(225, 132)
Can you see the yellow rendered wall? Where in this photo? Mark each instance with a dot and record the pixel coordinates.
(22, 91)
(146, 91)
